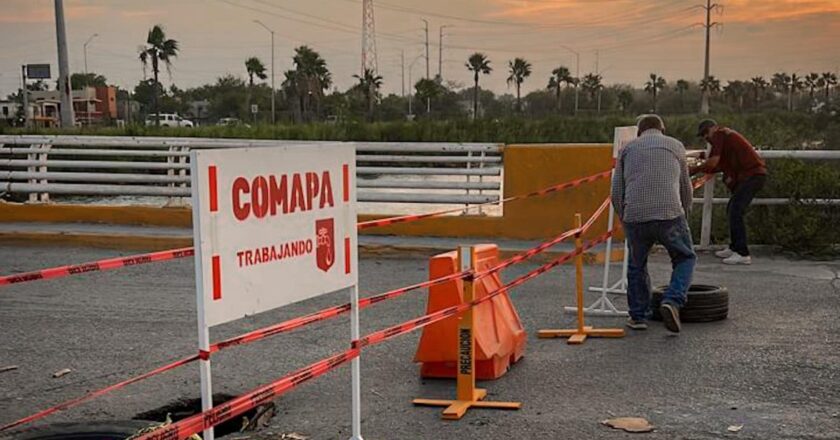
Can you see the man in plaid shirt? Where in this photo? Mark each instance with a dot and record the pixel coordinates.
(651, 192)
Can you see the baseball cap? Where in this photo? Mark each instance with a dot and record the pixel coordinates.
(705, 124)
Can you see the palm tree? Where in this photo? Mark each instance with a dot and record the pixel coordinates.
(625, 99)
(758, 84)
(309, 79)
(780, 81)
(794, 84)
(519, 70)
(592, 84)
(711, 85)
(559, 76)
(255, 67)
(829, 80)
(159, 49)
(812, 82)
(682, 87)
(736, 90)
(369, 83)
(654, 85)
(478, 64)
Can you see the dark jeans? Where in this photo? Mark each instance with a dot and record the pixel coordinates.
(675, 236)
(741, 198)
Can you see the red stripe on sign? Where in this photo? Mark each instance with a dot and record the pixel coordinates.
(214, 193)
(347, 255)
(345, 169)
(217, 278)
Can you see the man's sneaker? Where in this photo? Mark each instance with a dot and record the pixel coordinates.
(726, 253)
(670, 317)
(736, 258)
(636, 325)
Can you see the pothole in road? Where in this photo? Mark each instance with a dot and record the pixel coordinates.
(184, 408)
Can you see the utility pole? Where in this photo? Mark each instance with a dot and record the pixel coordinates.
(426, 28)
(598, 74)
(84, 49)
(440, 52)
(369, 57)
(577, 75)
(67, 119)
(273, 90)
(402, 66)
(704, 104)
(25, 93)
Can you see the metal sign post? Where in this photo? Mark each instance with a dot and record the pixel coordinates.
(262, 217)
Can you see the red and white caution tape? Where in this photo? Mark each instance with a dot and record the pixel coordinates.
(97, 393)
(542, 192)
(183, 429)
(96, 266)
(414, 324)
(312, 318)
(115, 263)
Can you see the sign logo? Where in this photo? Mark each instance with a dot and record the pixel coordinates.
(325, 235)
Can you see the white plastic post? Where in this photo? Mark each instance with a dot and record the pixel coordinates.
(206, 377)
(355, 366)
(203, 329)
(603, 306)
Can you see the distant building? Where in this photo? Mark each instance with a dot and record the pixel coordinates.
(9, 111)
(199, 111)
(91, 105)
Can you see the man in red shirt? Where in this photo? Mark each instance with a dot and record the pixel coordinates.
(744, 173)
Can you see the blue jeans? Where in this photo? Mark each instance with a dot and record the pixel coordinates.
(675, 236)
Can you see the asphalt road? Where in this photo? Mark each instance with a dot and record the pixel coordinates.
(773, 366)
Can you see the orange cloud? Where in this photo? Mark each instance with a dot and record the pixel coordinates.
(602, 12)
(23, 12)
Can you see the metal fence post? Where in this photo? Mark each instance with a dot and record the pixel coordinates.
(42, 157)
(33, 197)
(469, 179)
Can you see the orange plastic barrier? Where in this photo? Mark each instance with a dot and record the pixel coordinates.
(499, 336)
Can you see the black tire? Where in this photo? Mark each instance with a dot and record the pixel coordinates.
(705, 303)
(119, 430)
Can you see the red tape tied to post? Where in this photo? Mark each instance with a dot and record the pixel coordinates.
(545, 191)
(228, 410)
(183, 429)
(115, 263)
(414, 324)
(96, 266)
(312, 318)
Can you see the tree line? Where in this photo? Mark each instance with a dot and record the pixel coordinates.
(306, 93)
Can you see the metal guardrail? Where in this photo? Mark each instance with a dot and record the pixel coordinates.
(709, 200)
(389, 172)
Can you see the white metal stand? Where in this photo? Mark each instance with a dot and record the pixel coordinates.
(355, 367)
(206, 378)
(603, 306)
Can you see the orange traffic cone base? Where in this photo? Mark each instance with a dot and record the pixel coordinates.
(577, 336)
(456, 409)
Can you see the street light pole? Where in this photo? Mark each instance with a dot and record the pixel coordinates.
(67, 118)
(577, 74)
(426, 28)
(87, 104)
(440, 51)
(273, 90)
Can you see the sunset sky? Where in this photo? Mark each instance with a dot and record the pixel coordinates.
(632, 37)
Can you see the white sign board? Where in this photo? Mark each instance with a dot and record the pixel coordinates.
(623, 136)
(272, 226)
